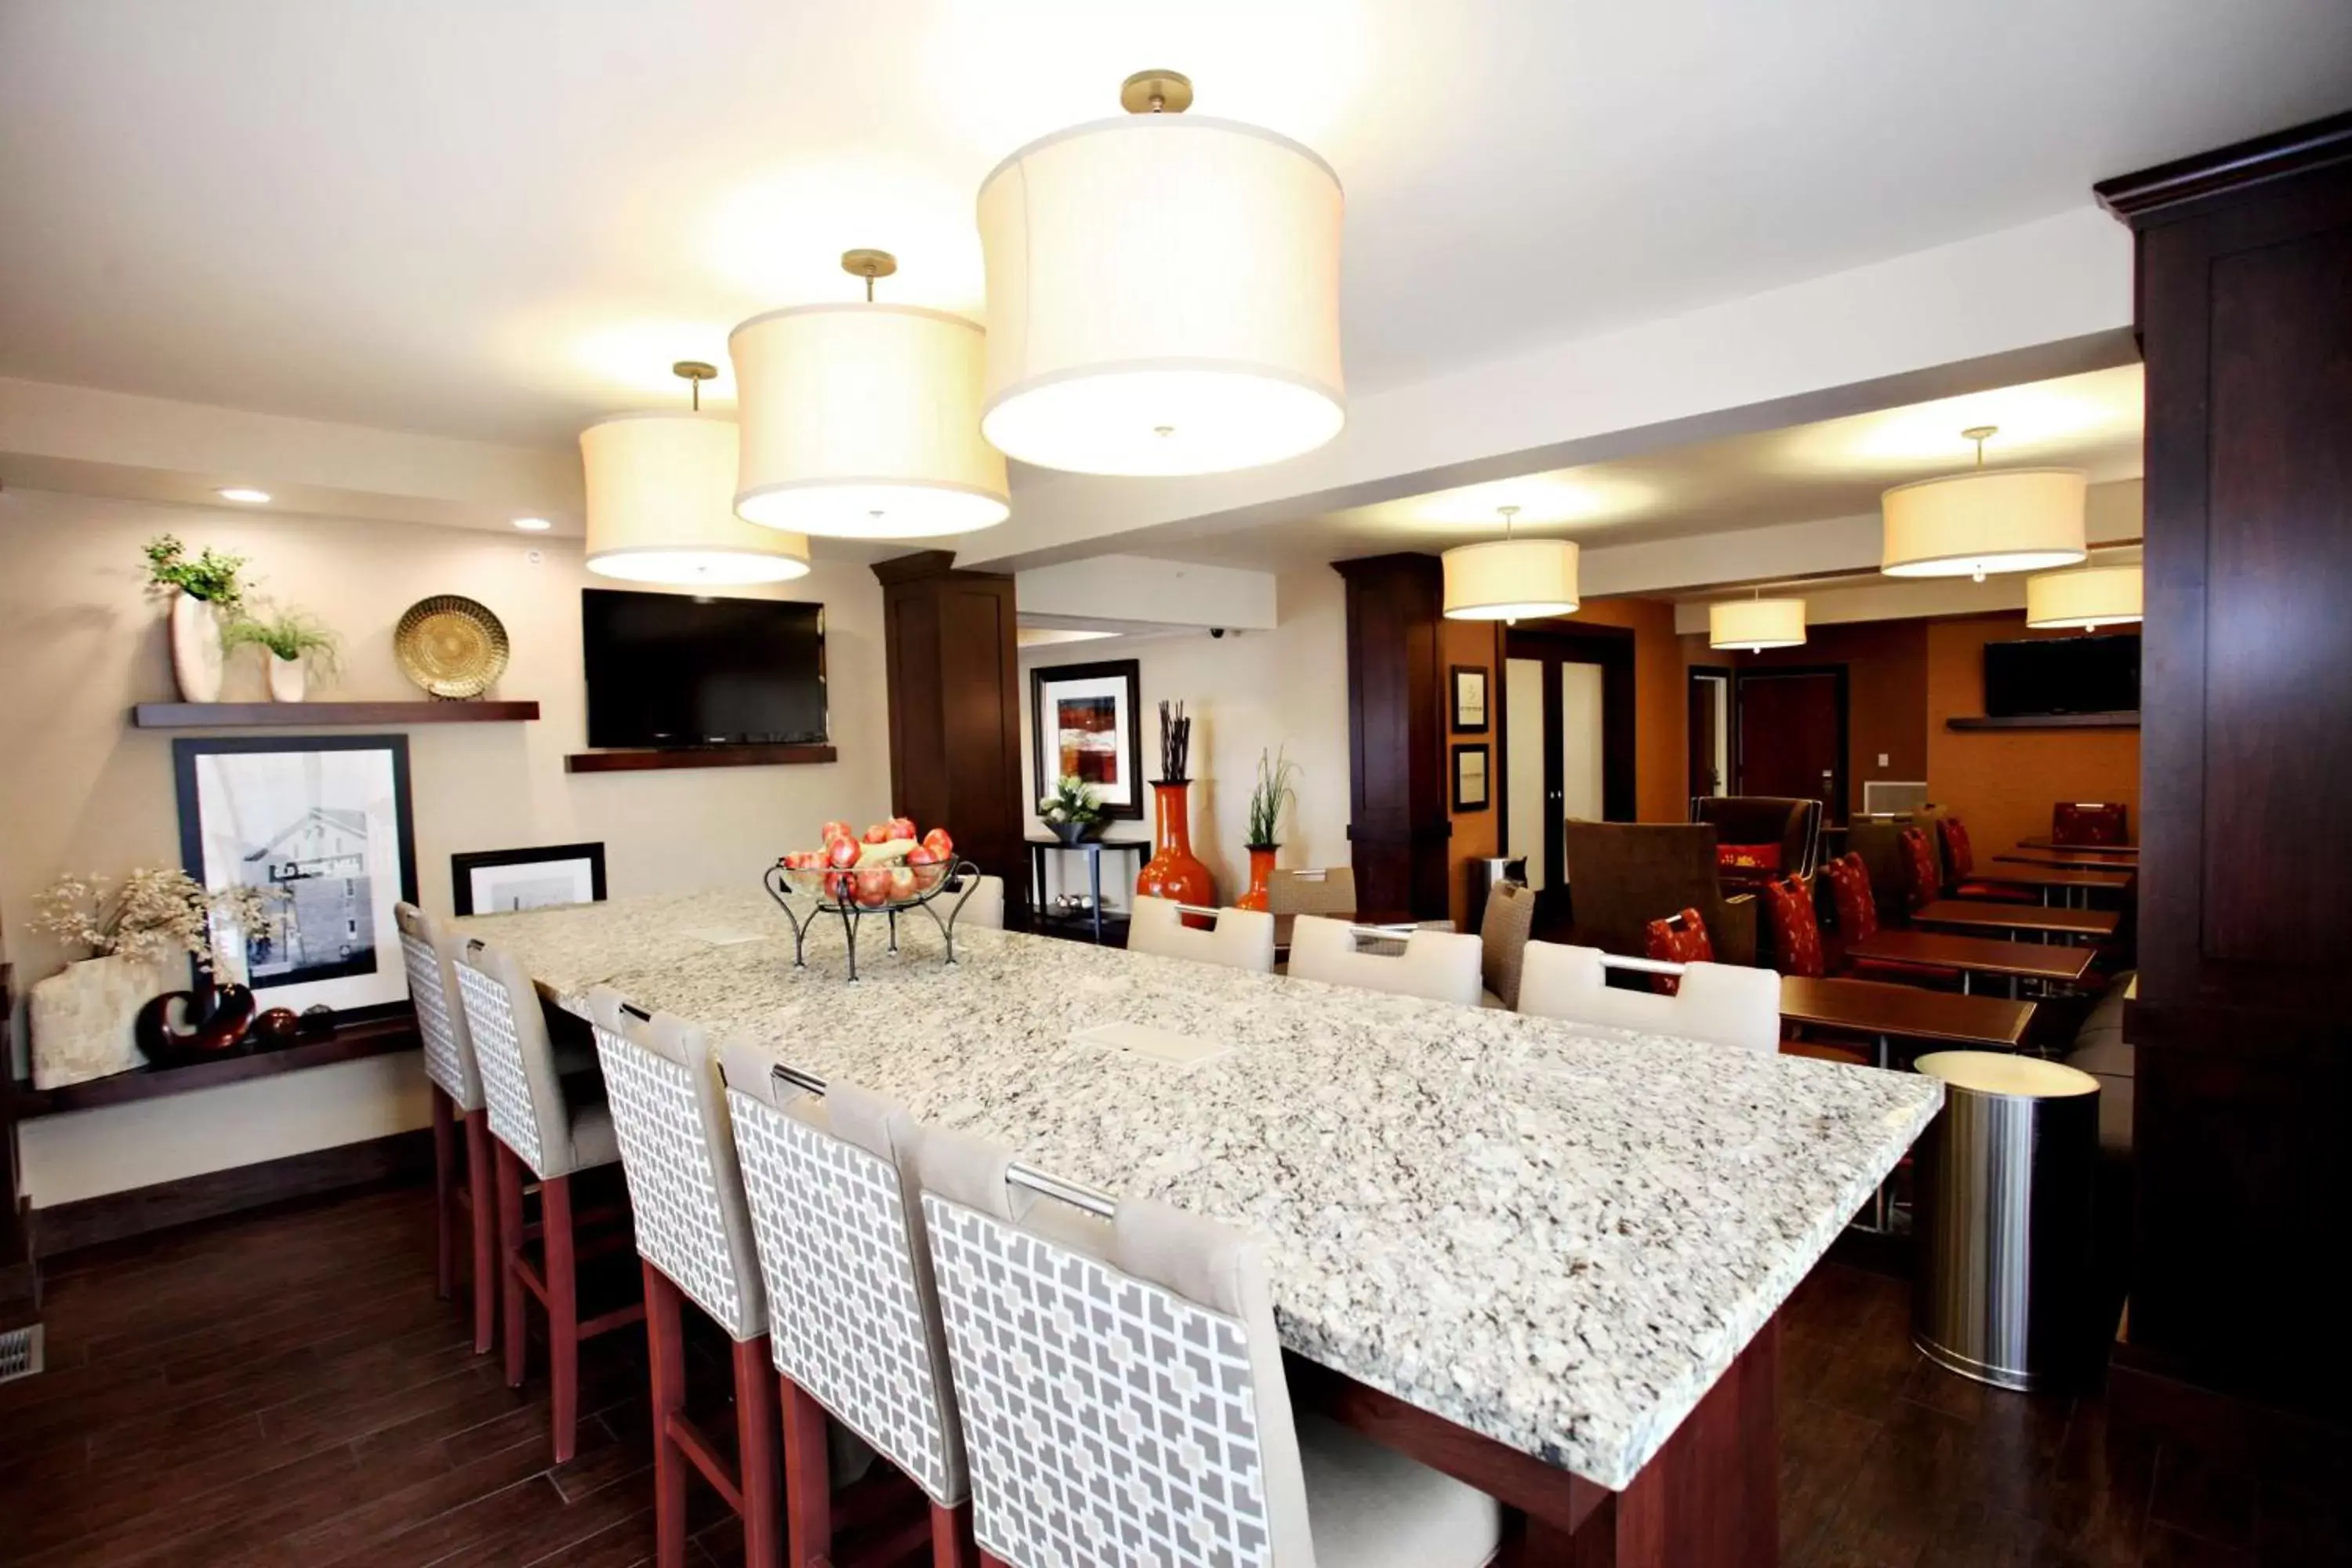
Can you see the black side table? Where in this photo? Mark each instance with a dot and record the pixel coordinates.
(1093, 849)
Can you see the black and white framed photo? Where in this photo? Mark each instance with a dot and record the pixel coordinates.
(1470, 788)
(1084, 721)
(499, 881)
(323, 823)
(1470, 698)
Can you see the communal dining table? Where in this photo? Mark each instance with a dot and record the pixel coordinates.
(1545, 1258)
(2066, 884)
(2053, 963)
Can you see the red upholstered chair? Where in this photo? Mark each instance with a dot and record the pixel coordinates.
(1923, 879)
(1857, 918)
(2088, 822)
(1677, 939)
(1961, 862)
(1796, 928)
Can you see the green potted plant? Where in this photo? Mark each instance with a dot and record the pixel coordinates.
(1267, 800)
(203, 589)
(1074, 811)
(294, 645)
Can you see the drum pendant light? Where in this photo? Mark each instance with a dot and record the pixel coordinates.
(862, 421)
(661, 500)
(2087, 600)
(1756, 624)
(1984, 520)
(1510, 579)
(1163, 293)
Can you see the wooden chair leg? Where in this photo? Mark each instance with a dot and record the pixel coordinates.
(990, 1560)
(952, 1542)
(808, 1477)
(758, 1427)
(482, 1181)
(666, 1345)
(510, 1286)
(444, 1194)
(563, 1312)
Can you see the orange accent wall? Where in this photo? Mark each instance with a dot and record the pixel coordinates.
(1475, 833)
(1661, 711)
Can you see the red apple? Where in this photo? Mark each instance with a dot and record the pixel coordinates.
(903, 827)
(838, 885)
(841, 851)
(938, 842)
(904, 885)
(874, 887)
(922, 855)
(836, 829)
(878, 834)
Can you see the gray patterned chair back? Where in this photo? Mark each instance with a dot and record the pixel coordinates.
(677, 1155)
(840, 1239)
(424, 947)
(520, 1087)
(1121, 1383)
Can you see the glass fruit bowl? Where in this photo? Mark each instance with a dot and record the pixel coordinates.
(808, 893)
(868, 888)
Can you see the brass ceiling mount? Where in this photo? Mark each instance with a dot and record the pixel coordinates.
(694, 369)
(868, 264)
(1156, 92)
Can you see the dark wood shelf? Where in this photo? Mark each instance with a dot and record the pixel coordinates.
(313, 715)
(2047, 721)
(637, 760)
(361, 1037)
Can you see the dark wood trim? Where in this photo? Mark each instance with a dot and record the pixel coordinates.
(86, 1222)
(637, 760)
(465, 862)
(915, 566)
(2172, 191)
(1398, 830)
(353, 1041)
(20, 1277)
(2044, 721)
(316, 715)
(1126, 671)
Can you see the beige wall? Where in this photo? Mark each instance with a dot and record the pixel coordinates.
(80, 790)
(1244, 691)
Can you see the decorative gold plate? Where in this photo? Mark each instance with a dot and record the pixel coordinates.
(450, 646)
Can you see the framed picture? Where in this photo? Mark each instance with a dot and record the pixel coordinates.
(323, 822)
(1470, 698)
(1085, 720)
(498, 881)
(1470, 785)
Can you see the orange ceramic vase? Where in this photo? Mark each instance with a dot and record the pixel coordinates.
(1260, 868)
(1173, 872)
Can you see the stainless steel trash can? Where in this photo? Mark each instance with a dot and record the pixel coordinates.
(2005, 1180)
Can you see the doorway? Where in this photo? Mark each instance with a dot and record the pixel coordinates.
(1790, 734)
(1568, 743)
(1711, 730)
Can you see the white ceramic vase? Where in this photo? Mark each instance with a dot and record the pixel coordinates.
(196, 649)
(288, 680)
(82, 1018)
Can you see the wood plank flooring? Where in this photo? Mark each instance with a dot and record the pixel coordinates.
(282, 1388)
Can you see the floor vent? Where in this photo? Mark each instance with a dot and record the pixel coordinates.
(20, 1353)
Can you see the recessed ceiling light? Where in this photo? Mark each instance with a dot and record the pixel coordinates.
(244, 493)
(533, 524)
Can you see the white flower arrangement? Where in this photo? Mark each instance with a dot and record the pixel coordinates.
(154, 912)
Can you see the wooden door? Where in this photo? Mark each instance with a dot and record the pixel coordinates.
(1792, 735)
(1565, 706)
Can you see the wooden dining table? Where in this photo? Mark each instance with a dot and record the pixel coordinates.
(2049, 880)
(2118, 851)
(1888, 1013)
(1982, 915)
(2067, 859)
(2053, 963)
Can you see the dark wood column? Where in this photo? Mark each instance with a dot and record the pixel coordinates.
(1398, 803)
(2242, 1023)
(20, 1281)
(955, 709)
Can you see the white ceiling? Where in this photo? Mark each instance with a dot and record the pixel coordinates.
(501, 220)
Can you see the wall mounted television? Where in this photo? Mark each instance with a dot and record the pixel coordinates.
(2041, 676)
(687, 669)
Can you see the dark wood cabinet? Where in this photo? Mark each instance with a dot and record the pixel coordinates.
(1399, 819)
(2244, 1018)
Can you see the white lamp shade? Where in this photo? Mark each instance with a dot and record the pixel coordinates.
(1985, 520)
(1510, 580)
(661, 505)
(862, 421)
(1756, 624)
(1163, 297)
(2095, 596)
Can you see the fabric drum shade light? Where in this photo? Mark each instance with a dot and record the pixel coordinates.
(661, 505)
(2096, 597)
(1510, 580)
(1756, 624)
(1163, 297)
(1989, 520)
(862, 421)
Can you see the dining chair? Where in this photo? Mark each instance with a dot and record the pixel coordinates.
(2079, 822)
(1961, 863)
(1236, 938)
(1327, 890)
(1718, 1004)
(694, 1244)
(1441, 965)
(1857, 903)
(459, 1112)
(1123, 1395)
(556, 1127)
(1678, 939)
(856, 1336)
(1796, 928)
(1923, 875)
(985, 907)
(1509, 920)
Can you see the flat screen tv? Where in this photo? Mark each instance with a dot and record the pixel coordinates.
(685, 669)
(2044, 676)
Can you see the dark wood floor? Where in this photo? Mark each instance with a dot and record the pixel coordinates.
(283, 1388)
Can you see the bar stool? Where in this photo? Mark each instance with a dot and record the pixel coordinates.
(555, 1127)
(1240, 938)
(456, 1089)
(856, 1324)
(1441, 965)
(1123, 1395)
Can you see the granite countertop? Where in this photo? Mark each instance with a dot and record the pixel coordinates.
(1556, 1235)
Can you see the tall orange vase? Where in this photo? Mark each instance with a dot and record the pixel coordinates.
(1173, 872)
(1261, 873)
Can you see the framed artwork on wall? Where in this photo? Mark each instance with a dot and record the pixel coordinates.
(323, 823)
(1470, 698)
(499, 881)
(1471, 791)
(1085, 720)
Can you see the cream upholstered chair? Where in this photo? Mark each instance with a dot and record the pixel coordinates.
(694, 1237)
(1503, 932)
(1441, 965)
(555, 1127)
(986, 905)
(1721, 1004)
(856, 1326)
(1325, 891)
(425, 945)
(1241, 939)
(1123, 1395)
